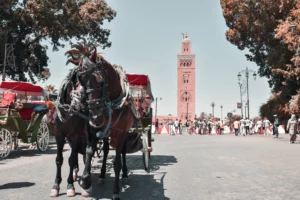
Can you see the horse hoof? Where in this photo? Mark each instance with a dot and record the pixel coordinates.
(86, 193)
(54, 193)
(116, 197)
(71, 192)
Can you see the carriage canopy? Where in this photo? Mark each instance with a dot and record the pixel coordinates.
(23, 88)
(140, 85)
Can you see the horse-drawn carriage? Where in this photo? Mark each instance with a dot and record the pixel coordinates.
(22, 119)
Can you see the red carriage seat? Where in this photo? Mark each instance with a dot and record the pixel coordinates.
(26, 113)
(8, 100)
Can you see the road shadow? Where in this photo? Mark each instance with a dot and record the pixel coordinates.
(16, 185)
(25, 152)
(140, 184)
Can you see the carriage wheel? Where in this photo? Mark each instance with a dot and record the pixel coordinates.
(5, 143)
(145, 152)
(42, 139)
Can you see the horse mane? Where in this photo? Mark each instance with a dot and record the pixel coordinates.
(82, 49)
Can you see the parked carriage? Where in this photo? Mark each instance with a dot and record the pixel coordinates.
(140, 92)
(22, 119)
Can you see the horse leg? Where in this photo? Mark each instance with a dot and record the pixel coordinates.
(124, 165)
(59, 161)
(86, 175)
(117, 169)
(76, 167)
(73, 161)
(105, 154)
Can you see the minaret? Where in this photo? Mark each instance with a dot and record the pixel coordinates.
(186, 98)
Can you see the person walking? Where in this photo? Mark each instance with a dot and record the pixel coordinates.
(209, 125)
(176, 125)
(275, 126)
(243, 127)
(236, 125)
(156, 126)
(259, 126)
(247, 125)
(292, 127)
(180, 127)
(266, 126)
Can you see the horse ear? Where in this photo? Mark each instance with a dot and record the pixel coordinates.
(94, 56)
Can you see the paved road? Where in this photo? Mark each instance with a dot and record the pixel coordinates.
(183, 167)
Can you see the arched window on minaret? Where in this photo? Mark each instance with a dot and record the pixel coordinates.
(186, 97)
(186, 78)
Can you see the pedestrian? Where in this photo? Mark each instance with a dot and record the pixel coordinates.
(243, 127)
(275, 126)
(156, 126)
(259, 126)
(221, 127)
(176, 125)
(236, 125)
(217, 125)
(180, 127)
(266, 126)
(292, 127)
(247, 125)
(204, 127)
(209, 125)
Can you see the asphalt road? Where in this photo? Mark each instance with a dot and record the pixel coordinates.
(182, 168)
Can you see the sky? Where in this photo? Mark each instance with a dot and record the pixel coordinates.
(146, 38)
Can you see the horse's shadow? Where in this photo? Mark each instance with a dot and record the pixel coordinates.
(140, 184)
(16, 185)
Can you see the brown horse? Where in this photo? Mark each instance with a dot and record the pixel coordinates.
(72, 128)
(110, 111)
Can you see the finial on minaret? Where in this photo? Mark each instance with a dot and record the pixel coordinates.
(186, 35)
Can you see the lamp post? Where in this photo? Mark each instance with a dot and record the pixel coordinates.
(241, 94)
(247, 71)
(213, 105)
(221, 112)
(187, 111)
(8, 50)
(156, 107)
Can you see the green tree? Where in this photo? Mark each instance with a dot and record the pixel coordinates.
(57, 21)
(262, 27)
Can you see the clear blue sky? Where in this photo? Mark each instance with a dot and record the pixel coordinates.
(146, 38)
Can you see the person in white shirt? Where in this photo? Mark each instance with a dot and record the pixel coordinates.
(247, 125)
(259, 126)
(243, 127)
(176, 125)
(266, 126)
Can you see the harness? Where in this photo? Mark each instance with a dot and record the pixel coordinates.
(102, 104)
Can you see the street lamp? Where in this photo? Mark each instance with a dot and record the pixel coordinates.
(221, 112)
(187, 111)
(213, 105)
(156, 107)
(242, 92)
(247, 71)
(8, 50)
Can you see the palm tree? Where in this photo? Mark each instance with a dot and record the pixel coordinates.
(50, 89)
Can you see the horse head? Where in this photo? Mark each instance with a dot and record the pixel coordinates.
(91, 76)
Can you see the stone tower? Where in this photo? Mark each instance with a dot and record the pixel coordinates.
(186, 97)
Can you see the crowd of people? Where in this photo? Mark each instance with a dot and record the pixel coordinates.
(241, 127)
